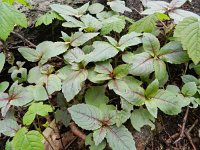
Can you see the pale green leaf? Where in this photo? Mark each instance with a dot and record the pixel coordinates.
(73, 84)
(39, 92)
(173, 88)
(140, 118)
(188, 32)
(64, 9)
(160, 70)
(113, 23)
(189, 78)
(31, 140)
(96, 8)
(74, 55)
(96, 77)
(8, 127)
(3, 86)
(89, 141)
(30, 54)
(86, 116)
(150, 43)
(99, 135)
(36, 109)
(120, 138)
(53, 84)
(112, 41)
(96, 96)
(104, 67)
(121, 71)
(118, 6)
(127, 40)
(102, 51)
(2, 58)
(173, 53)
(9, 17)
(79, 38)
(189, 89)
(35, 75)
(152, 88)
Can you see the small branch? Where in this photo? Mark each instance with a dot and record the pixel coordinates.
(24, 39)
(76, 131)
(190, 140)
(183, 126)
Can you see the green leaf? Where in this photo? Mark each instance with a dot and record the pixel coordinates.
(160, 70)
(114, 23)
(150, 43)
(36, 109)
(8, 145)
(121, 117)
(146, 24)
(195, 67)
(188, 32)
(39, 92)
(30, 54)
(62, 115)
(166, 101)
(141, 64)
(2, 58)
(73, 84)
(127, 40)
(86, 116)
(3, 86)
(88, 141)
(96, 8)
(173, 88)
(140, 118)
(189, 78)
(9, 17)
(34, 75)
(189, 89)
(99, 135)
(96, 77)
(96, 96)
(74, 55)
(102, 51)
(173, 53)
(152, 88)
(31, 140)
(121, 71)
(120, 138)
(53, 84)
(64, 10)
(118, 6)
(8, 127)
(79, 38)
(104, 67)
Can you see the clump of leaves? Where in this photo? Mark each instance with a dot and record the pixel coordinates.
(101, 73)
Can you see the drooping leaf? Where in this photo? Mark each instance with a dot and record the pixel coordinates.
(102, 51)
(73, 84)
(118, 6)
(96, 96)
(2, 58)
(120, 138)
(140, 118)
(173, 53)
(36, 109)
(188, 32)
(96, 8)
(31, 140)
(86, 116)
(9, 20)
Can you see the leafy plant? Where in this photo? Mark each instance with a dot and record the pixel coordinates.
(106, 70)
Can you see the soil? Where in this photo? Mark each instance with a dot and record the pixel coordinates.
(168, 128)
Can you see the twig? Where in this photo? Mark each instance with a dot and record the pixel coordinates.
(72, 141)
(183, 126)
(24, 39)
(76, 131)
(196, 121)
(190, 140)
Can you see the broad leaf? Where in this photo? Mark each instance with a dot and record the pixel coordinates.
(120, 138)
(8, 127)
(36, 109)
(173, 53)
(2, 58)
(121, 71)
(118, 6)
(189, 89)
(104, 67)
(74, 55)
(96, 96)
(73, 84)
(89, 141)
(189, 78)
(30, 54)
(86, 116)
(96, 8)
(3, 86)
(140, 118)
(99, 135)
(31, 140)
(188, 32)
(102, 51)
(160, 70)
(9, 17)
(152, 88)
(141, 64)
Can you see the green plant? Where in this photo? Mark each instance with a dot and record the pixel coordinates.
(111, 69)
